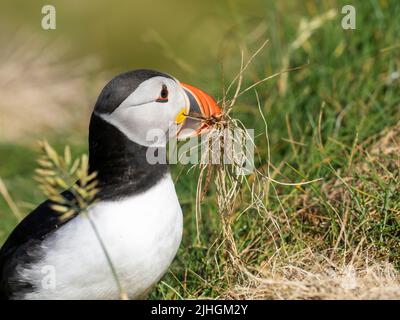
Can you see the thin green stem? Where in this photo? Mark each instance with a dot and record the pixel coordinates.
(122, 293)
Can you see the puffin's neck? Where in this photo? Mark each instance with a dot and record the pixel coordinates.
(121, 165)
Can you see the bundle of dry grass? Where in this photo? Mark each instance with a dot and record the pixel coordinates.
(236, 191)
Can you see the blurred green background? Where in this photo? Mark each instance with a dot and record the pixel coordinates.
(351, 75)
(157, 34)
(130, 34)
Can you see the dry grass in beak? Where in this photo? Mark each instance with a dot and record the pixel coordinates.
(236, 193)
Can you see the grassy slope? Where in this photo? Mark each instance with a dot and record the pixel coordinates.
(331, 107)
(348, 72)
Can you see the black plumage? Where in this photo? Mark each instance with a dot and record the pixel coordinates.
(120, 163)
(120, 87)
(23, 246)
(122, 170)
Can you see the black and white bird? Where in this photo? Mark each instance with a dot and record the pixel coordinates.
(137, 213)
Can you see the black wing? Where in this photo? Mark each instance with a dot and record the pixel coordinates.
(19, 248)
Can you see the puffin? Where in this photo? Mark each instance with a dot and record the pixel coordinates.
(136, 212)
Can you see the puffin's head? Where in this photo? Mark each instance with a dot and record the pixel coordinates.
(144, 103)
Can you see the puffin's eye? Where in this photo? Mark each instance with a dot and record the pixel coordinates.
(163, 94)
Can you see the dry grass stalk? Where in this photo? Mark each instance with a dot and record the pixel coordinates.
(306, 29)
(10, 201)
(57, 173)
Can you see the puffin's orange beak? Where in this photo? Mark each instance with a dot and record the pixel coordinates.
(201, 107)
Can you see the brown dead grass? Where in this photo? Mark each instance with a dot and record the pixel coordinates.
(308, 275)
(39, 90)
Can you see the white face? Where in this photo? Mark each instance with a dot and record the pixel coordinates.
(146, 112)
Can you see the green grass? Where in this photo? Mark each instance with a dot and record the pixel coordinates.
(331, 107)
(324, 125)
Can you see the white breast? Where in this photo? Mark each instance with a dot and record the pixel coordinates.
(142, 234)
